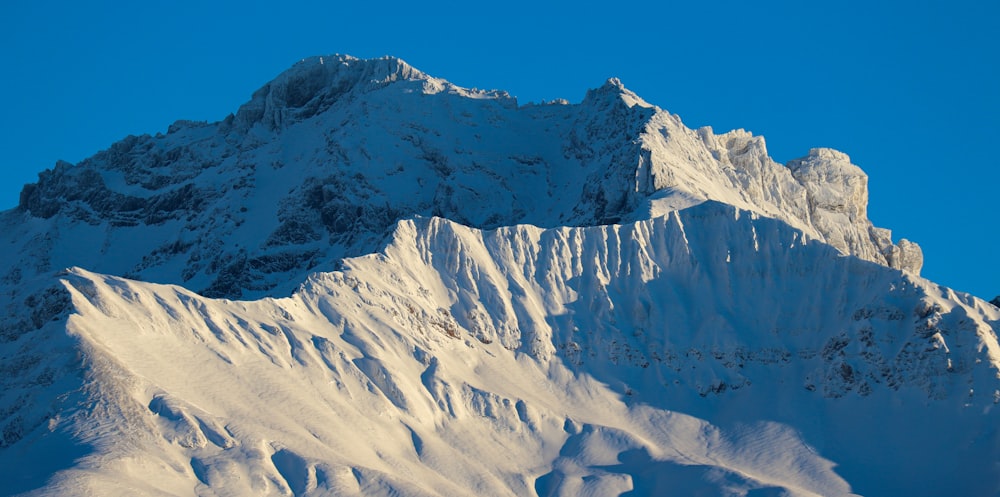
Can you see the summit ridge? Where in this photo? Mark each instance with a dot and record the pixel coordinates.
(323, 159)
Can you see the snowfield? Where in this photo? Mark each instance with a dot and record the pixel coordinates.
(556, 300)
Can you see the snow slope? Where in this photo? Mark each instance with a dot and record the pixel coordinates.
(566, 361)
(555, 299)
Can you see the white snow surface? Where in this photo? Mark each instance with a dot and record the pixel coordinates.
(587, 299)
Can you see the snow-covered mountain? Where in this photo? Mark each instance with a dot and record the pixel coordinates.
(448, 293)
(324, 159)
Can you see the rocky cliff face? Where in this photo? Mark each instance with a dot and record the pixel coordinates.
(837, 195)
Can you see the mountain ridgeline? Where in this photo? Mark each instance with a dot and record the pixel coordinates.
(324, 159)
(370, 281)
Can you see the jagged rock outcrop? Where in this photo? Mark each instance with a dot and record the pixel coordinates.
(316, 84)
(837, 194)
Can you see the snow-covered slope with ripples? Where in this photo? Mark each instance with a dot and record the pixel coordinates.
(557, 299)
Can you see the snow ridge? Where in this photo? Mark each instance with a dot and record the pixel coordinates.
(583, 352)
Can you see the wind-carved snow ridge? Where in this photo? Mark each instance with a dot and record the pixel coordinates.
(457, 295)
(666, 353)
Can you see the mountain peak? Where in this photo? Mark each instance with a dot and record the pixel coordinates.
(614, 90)
(385, 68)
(314, 84)
(614, 82)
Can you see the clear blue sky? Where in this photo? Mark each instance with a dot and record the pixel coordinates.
(909, 89)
